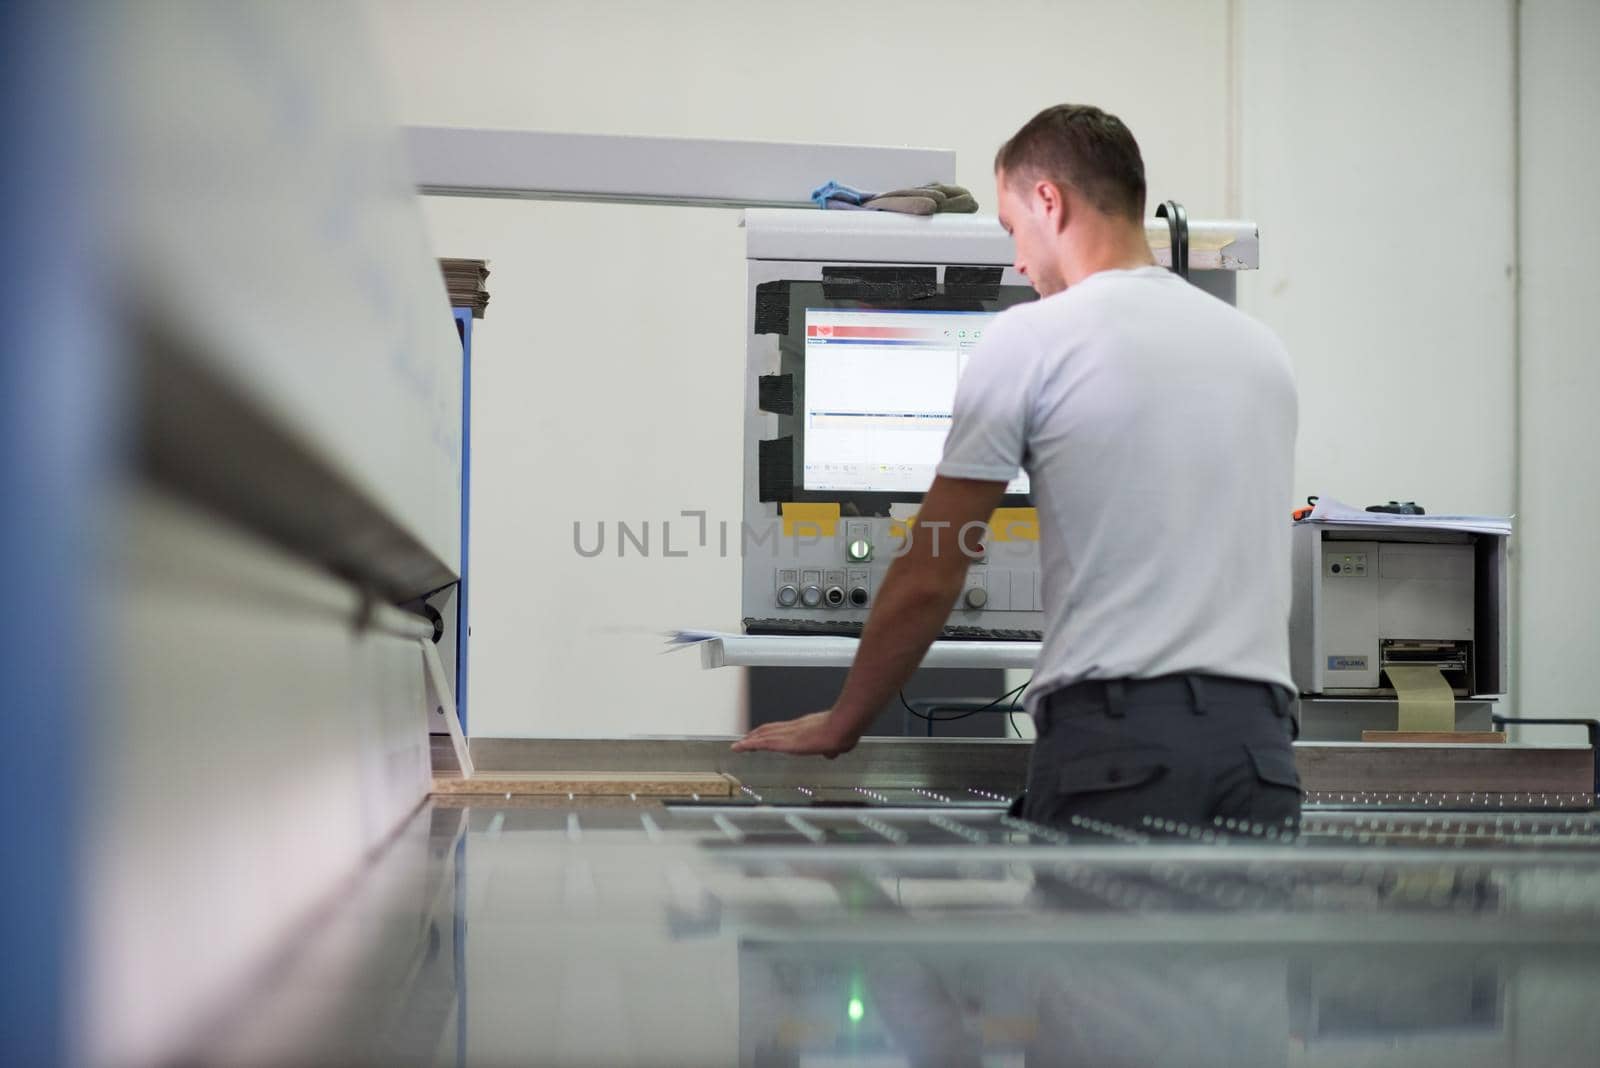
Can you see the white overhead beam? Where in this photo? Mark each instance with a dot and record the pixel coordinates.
(526, 164)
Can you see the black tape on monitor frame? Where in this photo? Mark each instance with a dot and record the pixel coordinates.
(772, 308)
(775, 394)
(1178, 228)
(973, 283)
(775, 469)
(879, 285)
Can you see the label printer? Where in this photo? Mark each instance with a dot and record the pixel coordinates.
(1371, 597)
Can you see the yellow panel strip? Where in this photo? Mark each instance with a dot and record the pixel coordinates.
(1014, 524)
(1007, 524)
(810, 520)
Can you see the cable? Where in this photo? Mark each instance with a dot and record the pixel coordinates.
(1178, 228)
(959, 715)
(1010, 712)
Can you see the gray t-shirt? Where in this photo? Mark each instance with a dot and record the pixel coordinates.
(1157, 426)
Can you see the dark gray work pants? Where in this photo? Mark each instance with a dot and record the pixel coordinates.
(1193, 749)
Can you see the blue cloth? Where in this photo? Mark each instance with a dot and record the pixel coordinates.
(834, 195)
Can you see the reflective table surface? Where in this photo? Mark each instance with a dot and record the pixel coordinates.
(572, 933)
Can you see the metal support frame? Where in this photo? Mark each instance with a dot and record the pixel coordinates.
(1591, 726)
(779, 650)
(440, 685)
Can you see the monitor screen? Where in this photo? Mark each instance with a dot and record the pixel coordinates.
(879, 386)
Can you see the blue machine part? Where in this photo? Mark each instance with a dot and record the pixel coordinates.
(464, 326)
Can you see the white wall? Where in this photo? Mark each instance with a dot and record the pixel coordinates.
(938, 74)
(607, 384)
(1560, 457)
(1377, 160)
(1372, 141)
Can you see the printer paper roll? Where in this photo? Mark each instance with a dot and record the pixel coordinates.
(1426, 701)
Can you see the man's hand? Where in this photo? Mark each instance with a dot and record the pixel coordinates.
(815, 735)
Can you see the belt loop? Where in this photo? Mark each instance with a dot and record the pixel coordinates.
(1114, 699)
(1285, 705)
(1195, 698)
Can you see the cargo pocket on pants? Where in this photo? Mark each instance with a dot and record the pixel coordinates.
(1275, 767)
(1278, 791)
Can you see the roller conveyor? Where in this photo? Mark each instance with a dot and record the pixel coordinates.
(884, 908)
(757, 931)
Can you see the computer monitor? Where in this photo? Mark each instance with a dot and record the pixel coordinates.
(879, 387)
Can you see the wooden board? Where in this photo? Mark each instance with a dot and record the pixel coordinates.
(589, 784)
(554, 802)
(1436, 737)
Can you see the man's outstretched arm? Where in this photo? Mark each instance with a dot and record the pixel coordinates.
(912, 605)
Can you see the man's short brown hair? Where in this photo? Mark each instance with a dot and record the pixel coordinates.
(1082, 147)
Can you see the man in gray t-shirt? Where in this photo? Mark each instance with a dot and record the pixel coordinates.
(1157, 425)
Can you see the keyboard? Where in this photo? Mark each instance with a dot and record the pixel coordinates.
(850, 628)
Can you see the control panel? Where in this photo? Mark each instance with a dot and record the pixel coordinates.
(837, 577)
(856, 345)
(1345, 564)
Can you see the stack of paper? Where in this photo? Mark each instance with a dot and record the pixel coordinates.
(1328, 510)
(464, 279)
(692, 637)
